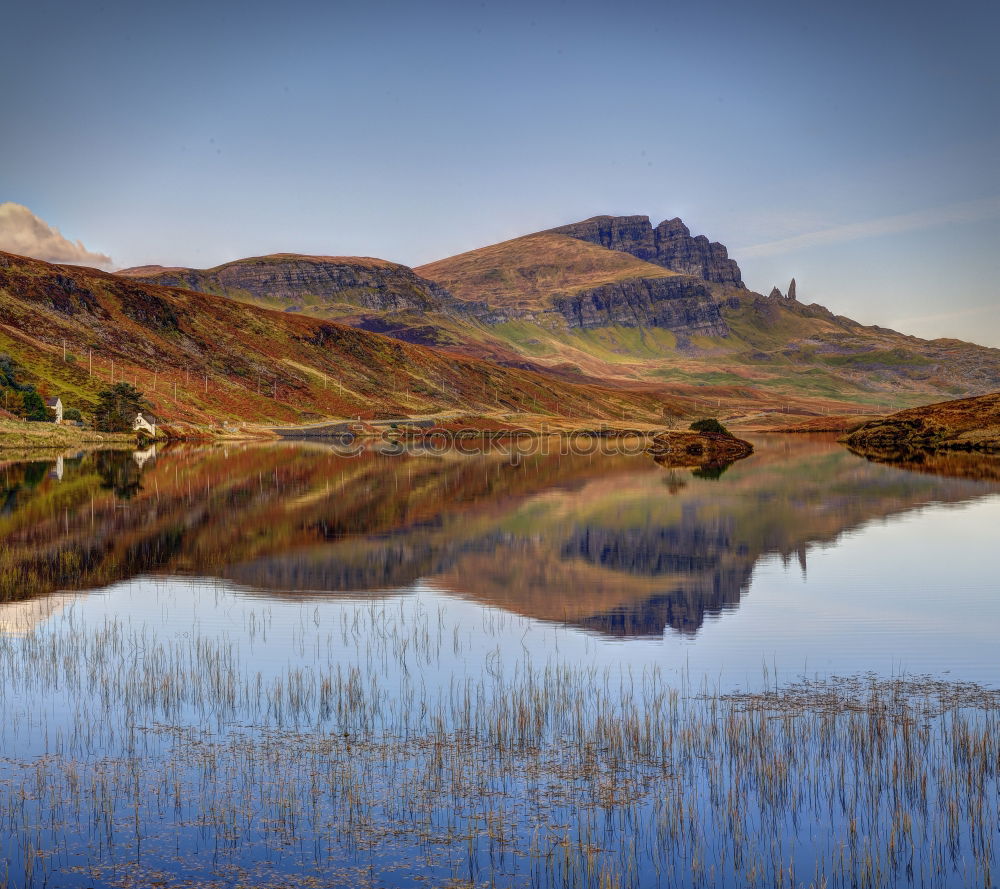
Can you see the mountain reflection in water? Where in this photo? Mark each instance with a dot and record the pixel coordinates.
(615, 545)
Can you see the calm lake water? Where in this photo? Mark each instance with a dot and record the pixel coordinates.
(191, 637)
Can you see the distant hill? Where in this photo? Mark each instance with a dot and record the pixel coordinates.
(208, 359)
(326, 286)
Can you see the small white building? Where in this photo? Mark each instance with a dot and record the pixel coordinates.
(145, 422)
(56, 406)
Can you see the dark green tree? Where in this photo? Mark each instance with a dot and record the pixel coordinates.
(710, 425)
(117, 407)
(34, 406)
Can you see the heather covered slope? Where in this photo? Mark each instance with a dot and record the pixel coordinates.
(206, 359)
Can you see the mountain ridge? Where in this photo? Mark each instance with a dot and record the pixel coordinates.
(670, 244)
(208, 359)
(292, 281)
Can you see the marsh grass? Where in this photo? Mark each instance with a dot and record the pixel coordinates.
(132, 759)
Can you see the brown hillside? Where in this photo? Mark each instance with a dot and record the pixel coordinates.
(207, 359)
(527, 272)
(585, 296)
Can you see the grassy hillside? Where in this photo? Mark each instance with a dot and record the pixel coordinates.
(206, 359)
(527, 272)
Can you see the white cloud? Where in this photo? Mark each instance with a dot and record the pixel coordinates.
(968, 211)
(22, 232)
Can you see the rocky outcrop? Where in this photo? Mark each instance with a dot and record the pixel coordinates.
(791, 289)
(294, 282)
(670, 245)
(683, 305)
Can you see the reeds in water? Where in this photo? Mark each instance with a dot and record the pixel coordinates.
(133, 759)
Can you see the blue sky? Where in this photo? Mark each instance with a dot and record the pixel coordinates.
(854, 146)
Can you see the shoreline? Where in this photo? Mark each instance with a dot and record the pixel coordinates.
(20, 435)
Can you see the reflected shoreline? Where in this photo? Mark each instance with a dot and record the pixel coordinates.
(614, 545)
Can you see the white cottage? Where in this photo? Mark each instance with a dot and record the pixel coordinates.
(56, 406)
(145, 422)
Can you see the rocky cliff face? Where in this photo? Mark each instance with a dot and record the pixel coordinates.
(293, 282)
(670, 245)
(683, 305)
